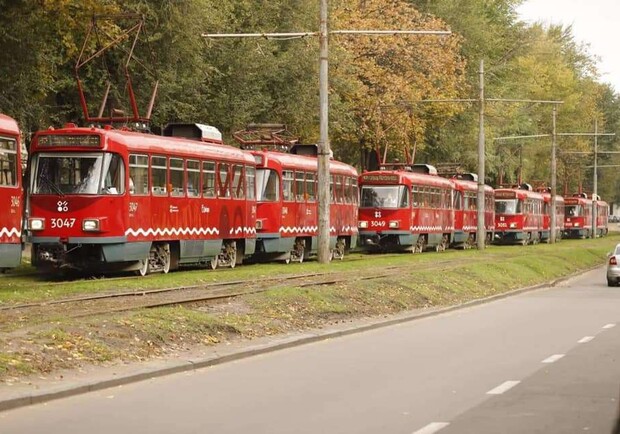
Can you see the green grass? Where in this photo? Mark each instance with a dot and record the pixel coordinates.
(413, 282)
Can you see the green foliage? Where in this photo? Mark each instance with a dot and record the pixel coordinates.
(375, 82)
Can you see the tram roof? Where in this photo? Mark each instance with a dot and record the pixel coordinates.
(8, 125)
(465, 184)
(391, 177)
(304, 162)
(151, 143)
(518, 193)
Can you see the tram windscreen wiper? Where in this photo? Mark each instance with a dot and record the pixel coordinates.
(51, 184)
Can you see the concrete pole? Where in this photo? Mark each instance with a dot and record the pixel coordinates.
(481, 237)
(595, 180)
(554, 223)
(324, 254)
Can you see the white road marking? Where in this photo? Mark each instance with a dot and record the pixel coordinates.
(432, 428)
(505, 386)
(585, 339)
(554, 358)
(608, 326)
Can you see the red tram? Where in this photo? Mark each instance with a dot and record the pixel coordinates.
(10, 193)
(405, 210)
(578, 217)
(466, 211)
(559, 216)
(111, 199)
(518, 215)
(287, 209)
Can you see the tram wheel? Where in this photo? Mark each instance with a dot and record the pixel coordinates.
(145, 266)
(164, 256)
(441, 247)
(213, 262)
(231, 251)
(419, 246)
(338, 252)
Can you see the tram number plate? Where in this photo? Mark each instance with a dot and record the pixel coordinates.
(377, 224)
(60, 223)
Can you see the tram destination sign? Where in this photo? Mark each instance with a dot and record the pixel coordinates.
(70, 140)
(505, 194)
(381, 178)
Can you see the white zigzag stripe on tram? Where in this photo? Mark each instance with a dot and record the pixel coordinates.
(174, 231)
(6, 232)
(245, 230)
(305, 229)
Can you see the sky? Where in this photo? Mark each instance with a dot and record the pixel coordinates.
(594, 23)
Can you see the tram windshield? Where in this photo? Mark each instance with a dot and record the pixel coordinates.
(267, 185)
(384, 196)
(508, 206)
(84, 173)
(573, 211)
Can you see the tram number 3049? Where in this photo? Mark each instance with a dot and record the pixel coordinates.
(377, 224)
(63, 223)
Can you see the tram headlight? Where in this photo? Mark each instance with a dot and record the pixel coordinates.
(259, 225)
(394, 224)
(576, 224)
(513, 225)
(363, 224)
(36, 224)
(90, 225)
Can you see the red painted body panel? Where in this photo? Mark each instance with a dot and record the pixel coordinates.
(583, 221)
(466, 218)
(11, 200)
(526, 224)
(149, 217)
(432, 218)
(298, 217)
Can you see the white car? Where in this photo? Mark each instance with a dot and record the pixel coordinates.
(613, 267)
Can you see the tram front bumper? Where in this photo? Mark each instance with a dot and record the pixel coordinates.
(384, 239)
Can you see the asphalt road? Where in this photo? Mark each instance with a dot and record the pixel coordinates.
(546, 361)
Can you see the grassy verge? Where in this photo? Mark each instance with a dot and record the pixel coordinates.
(430, 280)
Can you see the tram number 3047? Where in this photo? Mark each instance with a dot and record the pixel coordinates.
(63, 223)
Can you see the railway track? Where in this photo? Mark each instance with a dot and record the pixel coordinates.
(124, 301)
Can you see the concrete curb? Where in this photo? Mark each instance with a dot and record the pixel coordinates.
(290, 342)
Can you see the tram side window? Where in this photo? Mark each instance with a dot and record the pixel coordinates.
(250, 180)
(113, 174)
(193, 178)
(138, 174)
(356, 191)
(404, 197)
(299, 186)
(237, 182)
(415, 196)
(223, 180)
(159, 167)
(208, 179)
(311, 186)
(176, 177)
(8, 162)
(339, 196)
(348, 194)
(287, 185)
(456, 201)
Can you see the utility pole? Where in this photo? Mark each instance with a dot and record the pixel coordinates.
(554, 169)
(595, 180)
(324, 147)
(481, 238)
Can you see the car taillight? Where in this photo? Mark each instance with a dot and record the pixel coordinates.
(613, 261)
